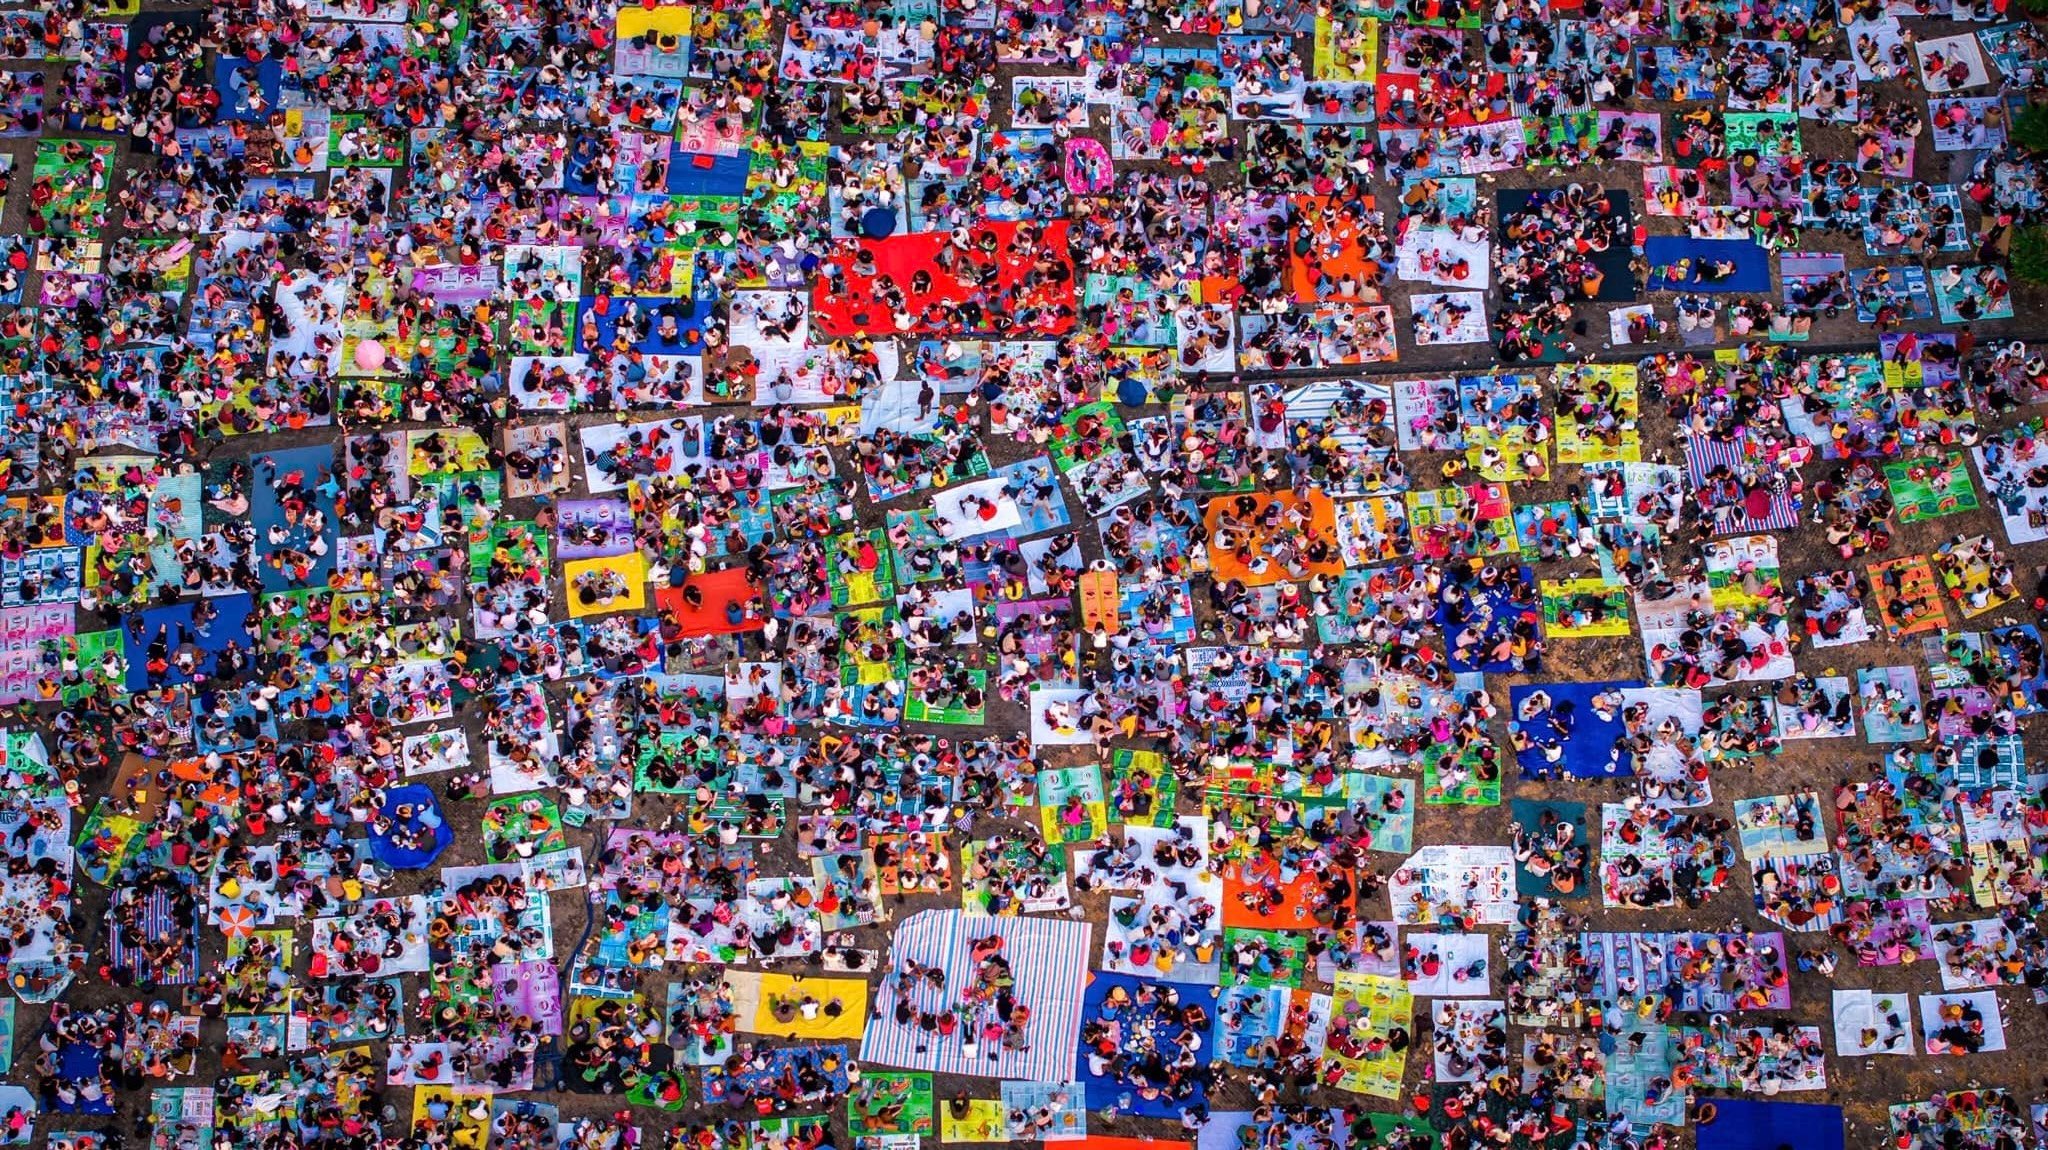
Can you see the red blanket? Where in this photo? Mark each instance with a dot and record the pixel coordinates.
(720, 588)
(859, 309)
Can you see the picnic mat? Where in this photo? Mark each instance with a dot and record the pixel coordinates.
(1748, 1124)
(1049, 960)
(724, 590)
(1667, 254)
(754, 996)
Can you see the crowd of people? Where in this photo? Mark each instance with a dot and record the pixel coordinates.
(1235, 573)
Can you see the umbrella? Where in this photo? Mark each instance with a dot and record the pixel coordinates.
(876, 223)
(237, 921)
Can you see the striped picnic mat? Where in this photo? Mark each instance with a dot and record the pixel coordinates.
(1049, 960)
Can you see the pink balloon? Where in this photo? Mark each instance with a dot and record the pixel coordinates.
(370, 355)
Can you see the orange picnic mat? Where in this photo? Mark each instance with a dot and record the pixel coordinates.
(1324, 244)
(721, 588)
(1235, 553)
